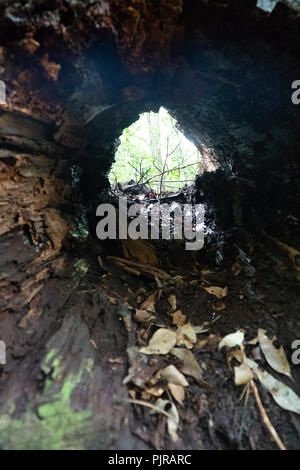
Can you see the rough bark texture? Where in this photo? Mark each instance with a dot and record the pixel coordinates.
(77, 73)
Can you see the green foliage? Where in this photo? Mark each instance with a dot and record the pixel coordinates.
(154, 151)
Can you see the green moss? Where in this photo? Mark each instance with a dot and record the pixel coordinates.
(57, 425)
(60, 428)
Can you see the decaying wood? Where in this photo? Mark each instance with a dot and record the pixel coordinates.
(49, 353)
(145, 268)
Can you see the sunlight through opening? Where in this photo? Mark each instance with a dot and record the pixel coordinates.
(155, 154)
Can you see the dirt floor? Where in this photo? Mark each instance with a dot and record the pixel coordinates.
(120, 349)
(256, 291)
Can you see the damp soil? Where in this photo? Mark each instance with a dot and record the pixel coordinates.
(73, 355)
(264, 297)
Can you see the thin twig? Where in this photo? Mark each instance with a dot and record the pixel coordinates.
(174, 150)
(263, 413)
(265, 418)
(240, 434)
(173, 181)
(172, 169)
(164, 166)
(153, 407)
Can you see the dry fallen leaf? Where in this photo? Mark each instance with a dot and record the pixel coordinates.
(29, 44)
(172, 301)
(116, 360)
(275, 357)
(242, 374)
(149, 303)
(206, 271)
(190, 366)
(173, 421)
(284, 396)
(143, 316)
(173, 376)
(132, 393)
(232, 340)
(152, 391)
(200, 329)
(161, 342)
(218, 305)
(178, 318)
(140, 291)
(93, 343)
(139, 250)
(201, 343)
(51, 68)
(142, 368)
(291, 251)
(234, 354)
(186, 335)
(178, 392)
(218, 292)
